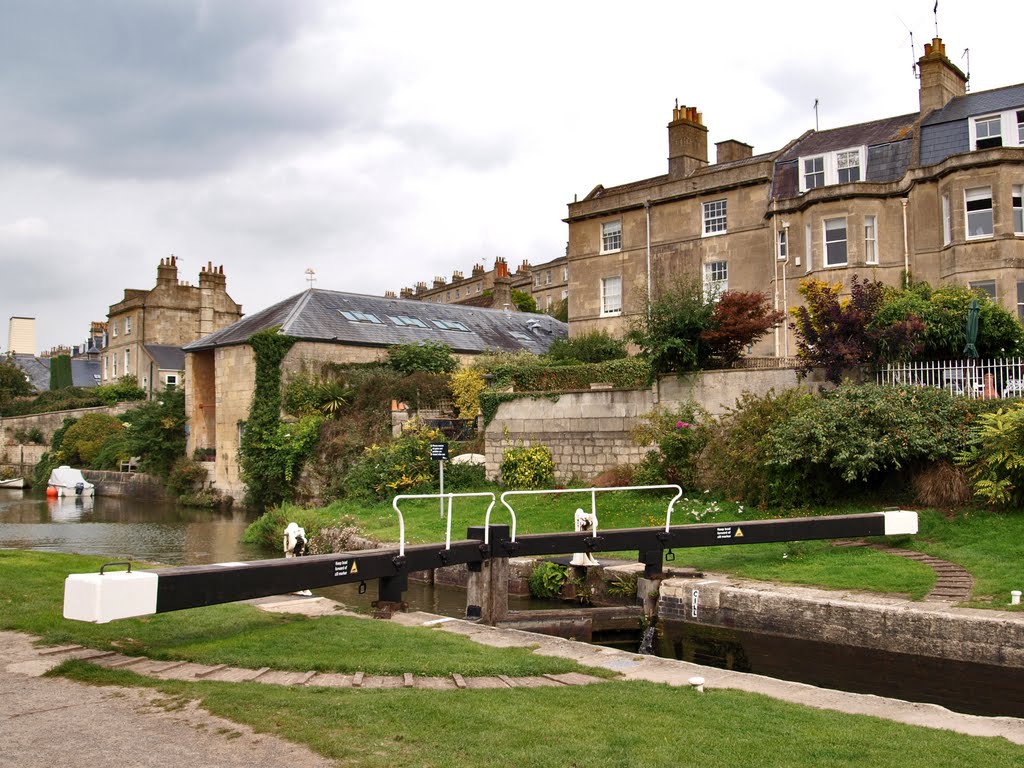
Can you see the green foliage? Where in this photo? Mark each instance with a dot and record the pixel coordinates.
(13, 382)
(670, 336)
(125, 389)
(547, 578)
(185, 478)
(267, 530)
(688, 330)
(83, 439)
(529, 373)
(857, 434)
(994, 457)
(402, 465)
(681, 436)
(528, 467)
(427, 356)
(944, 314)
(737, 455)
(68, 398)
(524, 302)
(156, 432)
(560, 310)
(467, 385)
(592, 347)
(262, 466)
(32, 436)
(60, 372)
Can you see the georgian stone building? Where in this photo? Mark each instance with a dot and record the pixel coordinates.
(935, 193)
(147, 329)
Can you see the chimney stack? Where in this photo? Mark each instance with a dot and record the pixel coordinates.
(941, 80)
(732, 150)
(687, 142)
(439, 282)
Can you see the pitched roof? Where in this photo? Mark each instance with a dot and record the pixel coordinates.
(980, 103)
(166, 357)
(317, 315)
(85, 373)
(883, 131)
(37, 369)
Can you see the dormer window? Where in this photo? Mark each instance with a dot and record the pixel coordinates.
(1003, 130)
(843, 166)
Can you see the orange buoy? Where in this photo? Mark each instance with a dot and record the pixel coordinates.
(51, 492)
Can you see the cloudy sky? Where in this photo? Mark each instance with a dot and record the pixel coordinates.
(385, 143)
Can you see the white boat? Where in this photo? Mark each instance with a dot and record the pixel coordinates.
(66, 481)
(14, 482)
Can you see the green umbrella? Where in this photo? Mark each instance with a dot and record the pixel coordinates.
(972, 329)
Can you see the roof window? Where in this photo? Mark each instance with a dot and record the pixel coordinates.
(406, 320)
(360, 317)
(451, 325)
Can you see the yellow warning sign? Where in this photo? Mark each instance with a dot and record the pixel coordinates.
(355, 568)
(738, 534)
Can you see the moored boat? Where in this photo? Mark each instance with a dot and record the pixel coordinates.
(65, 481)
(14, 482)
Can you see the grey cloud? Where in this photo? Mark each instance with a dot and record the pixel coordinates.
(139, 89)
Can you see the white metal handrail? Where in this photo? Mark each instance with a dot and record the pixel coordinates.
(593, 501)
(448, 524)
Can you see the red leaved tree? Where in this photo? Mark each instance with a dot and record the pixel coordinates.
(739, 318)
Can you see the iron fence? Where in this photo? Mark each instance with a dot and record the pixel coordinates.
(976, 379)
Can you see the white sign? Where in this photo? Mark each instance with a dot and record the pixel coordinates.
(693, 606)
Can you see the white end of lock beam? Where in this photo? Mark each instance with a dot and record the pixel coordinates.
(103, 597)
(900, 522)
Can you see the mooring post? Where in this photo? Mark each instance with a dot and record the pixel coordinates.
(487, 588)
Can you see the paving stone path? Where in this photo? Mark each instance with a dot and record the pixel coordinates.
(185, 670)
(953, 584)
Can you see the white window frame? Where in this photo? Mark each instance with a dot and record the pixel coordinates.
(113, 365)
(1020, 299)
(826, 251)
(782, 246)
(127, 360)
(947, 223)
(830, 167)
(127, 325)
(973, 195)
(714, 217)
(611, 236)
(114, 324)
(843, 156)
(565, 273)
(1018, 209)
(171, 380)
(611, 301)
(871, 239)
(106, 367)
(1011, 129)
(716, 279)
(983, 286)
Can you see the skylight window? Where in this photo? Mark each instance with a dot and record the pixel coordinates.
(360, 317)
(451, 325)
(406, 320)
(519, 335)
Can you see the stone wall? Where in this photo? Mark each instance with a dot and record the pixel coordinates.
(25, 457)
(135, 485)
(590, 432)
(888, 624)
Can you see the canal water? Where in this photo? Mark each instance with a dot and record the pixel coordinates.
(166, 533)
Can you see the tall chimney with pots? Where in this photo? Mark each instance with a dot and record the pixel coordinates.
(167, 272)
(687, 142)
(941, 79)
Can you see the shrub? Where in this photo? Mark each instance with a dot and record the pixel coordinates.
(681, 436)
(156, 432)
(340, 537)
(402, 465)
(736, 458)
(592, 347)
(186, 477)
(427, 356)
(267, 530)
(467, 385)
(669, 335)
(994, 458)
(941, 484)
(83, 439)
(528, 467)
(464, 477)
(60, 372)
(125, 389)
(739, 318)
(547, 578)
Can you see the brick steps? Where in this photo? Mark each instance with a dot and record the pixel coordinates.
(953, 584)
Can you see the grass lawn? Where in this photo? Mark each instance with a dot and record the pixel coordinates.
(616, 724)
(245, 636)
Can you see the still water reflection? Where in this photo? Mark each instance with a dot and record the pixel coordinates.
(156, 532)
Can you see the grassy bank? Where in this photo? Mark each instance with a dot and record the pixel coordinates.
(244, 636)
(617, 724)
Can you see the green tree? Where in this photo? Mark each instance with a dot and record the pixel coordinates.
(670, 336)
(524, 302)
(560, 310)
(13, 382)
(84, 439)
(156, 432)
(60, 372)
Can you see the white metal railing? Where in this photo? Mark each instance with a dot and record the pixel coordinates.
(448, 524)
(976, 379)
(593, 501)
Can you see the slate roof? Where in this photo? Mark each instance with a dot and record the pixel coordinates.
(315, 315)
(36, 368)
(981, 103)
(85, 373)
(167, 358)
